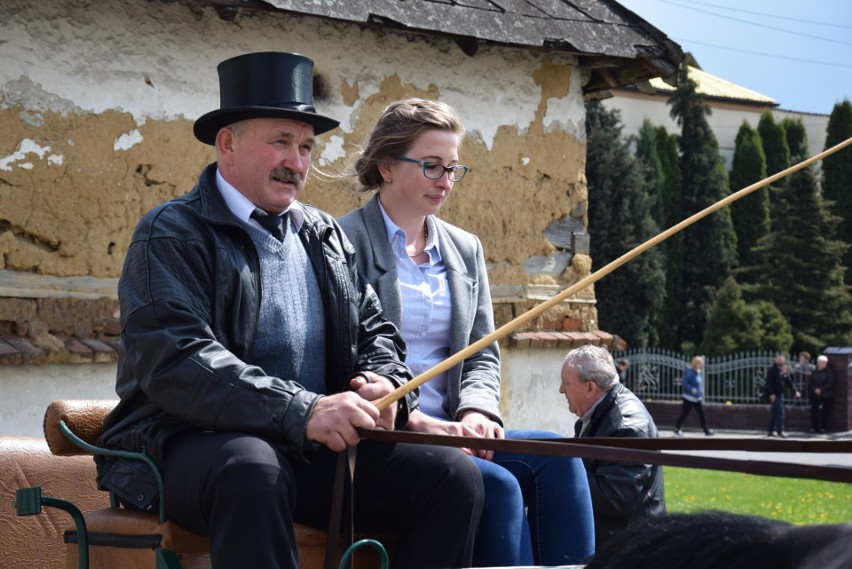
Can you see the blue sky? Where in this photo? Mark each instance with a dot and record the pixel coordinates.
(797, 52)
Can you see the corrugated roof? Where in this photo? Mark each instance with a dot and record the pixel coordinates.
(712, 86)
(614, 44)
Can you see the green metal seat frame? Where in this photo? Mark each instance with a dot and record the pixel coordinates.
(29, 501)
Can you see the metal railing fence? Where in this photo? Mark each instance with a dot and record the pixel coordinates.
(655, 373)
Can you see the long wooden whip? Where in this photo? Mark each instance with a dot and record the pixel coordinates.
(507, 328)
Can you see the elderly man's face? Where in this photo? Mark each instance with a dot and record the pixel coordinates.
(267, 160)
(579, 394)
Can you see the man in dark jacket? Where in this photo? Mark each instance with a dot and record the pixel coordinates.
(621, 491)
(777, 377)
(250, 351)
(820, 392)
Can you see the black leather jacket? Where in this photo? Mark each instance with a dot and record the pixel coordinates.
(621, 491)
(190, 299)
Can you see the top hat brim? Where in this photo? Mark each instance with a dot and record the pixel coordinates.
(207, 126)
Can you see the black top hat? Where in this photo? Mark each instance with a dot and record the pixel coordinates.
(263, 85)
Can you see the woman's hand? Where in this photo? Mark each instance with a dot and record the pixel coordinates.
(420, 422)
(484, 427)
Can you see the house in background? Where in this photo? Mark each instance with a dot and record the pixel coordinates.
(97, 102)
(730, 105)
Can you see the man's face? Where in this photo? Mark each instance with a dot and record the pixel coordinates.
(779, 360)
(821, 364)
(579, 394)
(267, 160)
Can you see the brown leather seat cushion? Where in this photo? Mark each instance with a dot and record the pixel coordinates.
(37, 541)
(85, 418)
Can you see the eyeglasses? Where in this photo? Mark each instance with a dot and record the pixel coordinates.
(434, 170)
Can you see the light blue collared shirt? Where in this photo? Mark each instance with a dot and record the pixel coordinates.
(426, 313)
(243, 208)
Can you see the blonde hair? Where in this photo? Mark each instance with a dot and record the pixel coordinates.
(399, 125)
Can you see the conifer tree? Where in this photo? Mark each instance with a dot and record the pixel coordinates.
(837, 176)
(619, 220)
(797, 139)
(710, 244)
(774, 143)
(777, 155)
(652, 172)
(750, 214)
(735, 325)
(668, 328)
(805, 276)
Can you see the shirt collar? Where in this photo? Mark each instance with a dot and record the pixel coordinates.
(587, 416)
(241, 207)
(393, 229)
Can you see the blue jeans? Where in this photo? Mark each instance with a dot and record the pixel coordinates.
(558, 528)
(776, 418)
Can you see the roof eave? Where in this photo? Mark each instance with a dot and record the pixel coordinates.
(622, 65)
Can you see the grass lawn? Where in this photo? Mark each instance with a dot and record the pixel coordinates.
(795, 500)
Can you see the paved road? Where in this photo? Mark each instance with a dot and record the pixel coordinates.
(820, 459)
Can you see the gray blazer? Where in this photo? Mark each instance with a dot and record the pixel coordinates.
(474, 383)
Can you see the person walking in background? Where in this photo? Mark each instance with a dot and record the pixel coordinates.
(431, 279)
(777, 377)
(820, 392)
(693, 394)
(621, 491)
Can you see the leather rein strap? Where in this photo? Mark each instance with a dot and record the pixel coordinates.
(646, 451)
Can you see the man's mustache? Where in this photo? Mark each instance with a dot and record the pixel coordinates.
(287, 175)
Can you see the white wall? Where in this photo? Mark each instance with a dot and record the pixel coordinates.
(29, 389)
(725, 122)
(530, 397)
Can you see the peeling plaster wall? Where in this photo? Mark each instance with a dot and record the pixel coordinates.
(97, 101)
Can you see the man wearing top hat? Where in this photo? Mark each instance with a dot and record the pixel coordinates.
(251, 351)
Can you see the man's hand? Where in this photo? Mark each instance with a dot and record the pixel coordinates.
(335, 417)
(373, 387)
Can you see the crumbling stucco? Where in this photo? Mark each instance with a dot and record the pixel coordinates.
(97, 102)
(70, 209)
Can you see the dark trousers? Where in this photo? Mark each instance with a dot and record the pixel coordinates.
(776, 415)
(245, 493)
(699, 408)
(819, 413)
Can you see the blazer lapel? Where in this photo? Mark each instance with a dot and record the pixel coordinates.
(384, 263)
(462, 290)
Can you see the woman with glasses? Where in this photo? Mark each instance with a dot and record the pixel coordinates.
(431, 279)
